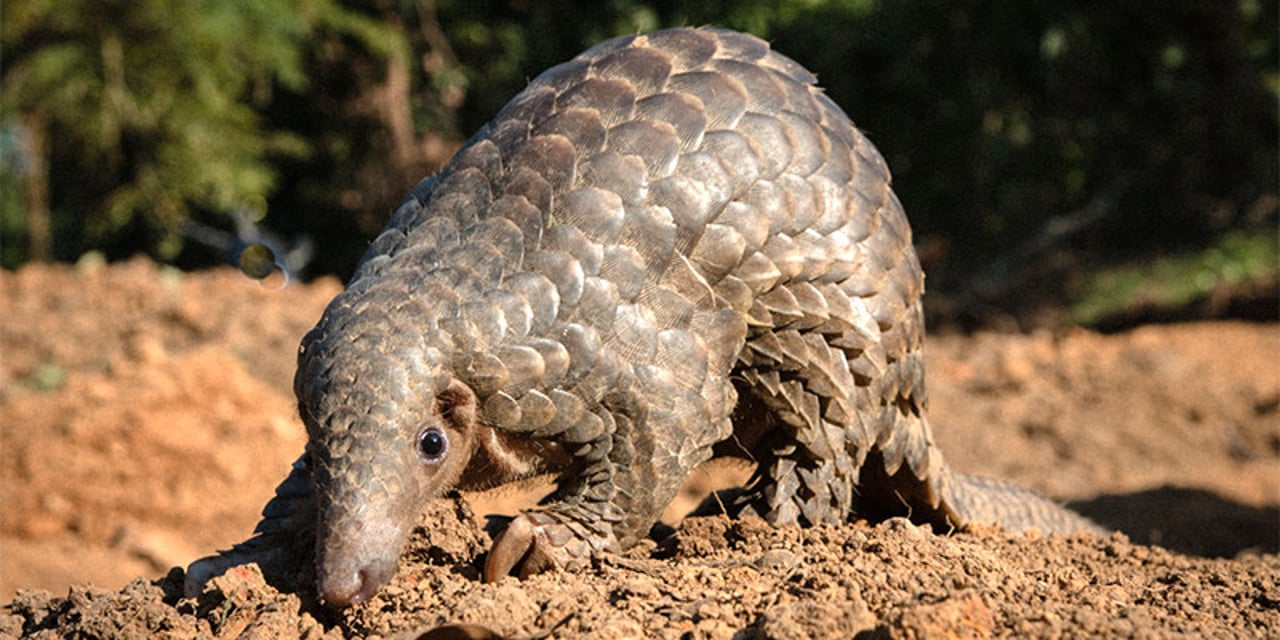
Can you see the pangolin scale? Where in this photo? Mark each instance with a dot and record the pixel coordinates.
(671, 246)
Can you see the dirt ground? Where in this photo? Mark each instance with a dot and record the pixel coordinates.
(146, 416)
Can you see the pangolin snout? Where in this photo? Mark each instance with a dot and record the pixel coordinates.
(346, 588)
(358, 547)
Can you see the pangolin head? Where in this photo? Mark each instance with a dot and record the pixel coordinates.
(388, 429)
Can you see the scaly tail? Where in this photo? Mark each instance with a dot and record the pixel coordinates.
(975, 499)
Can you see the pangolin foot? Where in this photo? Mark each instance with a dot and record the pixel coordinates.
(276, 560)
(538, 541)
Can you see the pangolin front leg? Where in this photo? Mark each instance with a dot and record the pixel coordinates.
(281, 542)
(663, 417)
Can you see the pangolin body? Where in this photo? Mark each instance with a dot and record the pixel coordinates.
(660, 231)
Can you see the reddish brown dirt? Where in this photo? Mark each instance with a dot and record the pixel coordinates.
(145, 417)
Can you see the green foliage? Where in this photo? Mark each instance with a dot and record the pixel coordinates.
(50, 376)
(998, 118)
(1172, 282)
(12, 215)
(151, 107)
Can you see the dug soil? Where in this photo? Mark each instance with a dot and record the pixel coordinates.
(146, 416)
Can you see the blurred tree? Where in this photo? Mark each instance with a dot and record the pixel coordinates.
(141, 111)
(1029, 140)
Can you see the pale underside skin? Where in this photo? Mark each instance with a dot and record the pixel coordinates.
(664, 229)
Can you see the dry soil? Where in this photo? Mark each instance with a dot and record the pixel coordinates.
(146, 416)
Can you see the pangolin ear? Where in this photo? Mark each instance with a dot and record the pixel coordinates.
(456, 404)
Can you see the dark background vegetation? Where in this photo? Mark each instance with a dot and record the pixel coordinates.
(1100, 163)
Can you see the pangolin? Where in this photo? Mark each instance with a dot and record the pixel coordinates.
(672, 246)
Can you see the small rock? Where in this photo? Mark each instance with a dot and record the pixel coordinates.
(776, 560)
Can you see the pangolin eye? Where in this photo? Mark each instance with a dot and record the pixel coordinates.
(433, 444)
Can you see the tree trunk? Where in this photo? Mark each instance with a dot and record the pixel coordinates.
(36, 188)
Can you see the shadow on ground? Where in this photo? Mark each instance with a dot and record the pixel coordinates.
(1190, 521)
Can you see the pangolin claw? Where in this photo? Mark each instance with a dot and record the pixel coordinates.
(535, 542)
